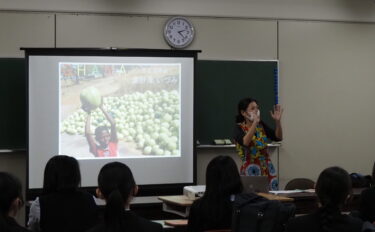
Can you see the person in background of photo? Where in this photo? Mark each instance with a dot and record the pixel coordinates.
(367, 205)
(214, 210)
(252, 135)
(10, 203)
(107, 145)
(332, 188)
(62, 206)
(116, 185)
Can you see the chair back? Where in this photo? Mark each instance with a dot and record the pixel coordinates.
(300, 183)
(217, 230)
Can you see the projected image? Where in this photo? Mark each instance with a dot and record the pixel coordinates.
(119, 110)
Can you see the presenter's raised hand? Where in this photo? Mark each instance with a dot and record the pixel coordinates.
(277, 112)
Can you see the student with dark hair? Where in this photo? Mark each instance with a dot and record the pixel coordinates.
(366, 210)
(332, 188)
(10, 203)
(117, 187)
(367, 205)
(252, 136)
(62, 206)
(214, 209)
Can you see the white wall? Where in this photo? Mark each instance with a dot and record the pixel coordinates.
(25, 30)
(337, 10)
(327, 87)
(326, 68)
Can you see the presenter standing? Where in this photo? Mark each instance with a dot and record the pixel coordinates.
(252, 136)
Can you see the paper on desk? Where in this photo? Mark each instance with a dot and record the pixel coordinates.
(293, 191)
(286, 191)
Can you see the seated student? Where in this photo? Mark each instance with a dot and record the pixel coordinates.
(10, 202)
(117, 187)
(214, 209)
(332, 188)
(62, 207)
(367, 205)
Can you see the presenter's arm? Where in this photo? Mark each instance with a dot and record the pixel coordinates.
(250, 133)
(276, 115)
(112, 122)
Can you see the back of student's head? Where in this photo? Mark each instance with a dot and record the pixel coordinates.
(10, 190)
(117, 186)
(61, 174)
(222, 180)
(222, 177)
(333, 187)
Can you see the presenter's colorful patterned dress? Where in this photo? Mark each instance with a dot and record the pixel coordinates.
(255, 158)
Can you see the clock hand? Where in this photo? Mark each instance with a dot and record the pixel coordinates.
(180, 32)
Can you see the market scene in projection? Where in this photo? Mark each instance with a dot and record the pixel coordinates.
(119, 110)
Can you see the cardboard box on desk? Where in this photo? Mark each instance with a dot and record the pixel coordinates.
(194, 192)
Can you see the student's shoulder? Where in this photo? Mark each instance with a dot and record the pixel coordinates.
(143, 224)
(301, 223)
(98, 228)
(13, 225)
(353, 221)
(196, 204)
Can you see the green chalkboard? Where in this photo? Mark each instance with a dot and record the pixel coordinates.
(13, 101)
(219, 85)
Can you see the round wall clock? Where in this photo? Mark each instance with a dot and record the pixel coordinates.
(179, 32)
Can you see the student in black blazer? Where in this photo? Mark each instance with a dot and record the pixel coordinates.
(332, 188)
(62, 207)
(214, 210)
(10, 203)
(117, 187)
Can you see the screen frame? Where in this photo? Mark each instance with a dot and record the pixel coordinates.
(144, 190)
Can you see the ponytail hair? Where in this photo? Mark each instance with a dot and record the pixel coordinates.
(333, 187)
(242, 106)
(10, 189)
(113, 211)
(116, 183)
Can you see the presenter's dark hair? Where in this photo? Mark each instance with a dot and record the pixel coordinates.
(61, 174)
(222, 180)
(10, 189)
(333, 187)
(116, 183)
(242, 106)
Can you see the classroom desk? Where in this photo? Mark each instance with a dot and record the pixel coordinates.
(307, 202)
(180, 204)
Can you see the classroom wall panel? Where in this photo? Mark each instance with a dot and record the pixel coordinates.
(235, 39)
(217, 38)
(25, 30)
(110, 31)
(327, 83)
(337, 10)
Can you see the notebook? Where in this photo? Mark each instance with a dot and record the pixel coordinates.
(253, 184)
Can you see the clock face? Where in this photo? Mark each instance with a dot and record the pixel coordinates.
(179, 32)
